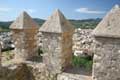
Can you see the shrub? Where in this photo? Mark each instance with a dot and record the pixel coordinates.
(40, 51)
(84, 62)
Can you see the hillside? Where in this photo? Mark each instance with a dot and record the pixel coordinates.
(84, 24)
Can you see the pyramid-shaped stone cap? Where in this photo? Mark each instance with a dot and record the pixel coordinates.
(57, 23)
(24, 21)
(110, 25)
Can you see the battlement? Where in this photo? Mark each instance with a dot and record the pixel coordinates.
(57, 44)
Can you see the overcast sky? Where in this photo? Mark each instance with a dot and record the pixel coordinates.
(72, 9)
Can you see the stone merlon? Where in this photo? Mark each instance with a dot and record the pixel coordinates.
(24, 31)
(110, 25)
(24, 21)
(57, 23)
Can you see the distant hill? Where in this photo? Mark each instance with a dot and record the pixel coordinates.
(84, 24)
(39, 21)
(4, 26)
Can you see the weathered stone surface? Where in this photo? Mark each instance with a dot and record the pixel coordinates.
(4, 73)
(24, 31)
(40, 71)
(24, 21)
(70, 76)
(36, 71)
(107, 59)
(57, 42)
(83, 42)
(22, 72)
(26, 71)
(107, 55)
(57, 23)
(110, 25)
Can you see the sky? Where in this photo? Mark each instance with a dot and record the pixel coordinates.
(72, 9)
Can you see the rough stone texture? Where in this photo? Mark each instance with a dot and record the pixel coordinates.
(75, 73)
(57, 23)
(4, 73)
(26, 71)
(40, 72)
(22, 72)
(107, 59)
(70, 76)
(57, 47)
(24, 21)
(36, 71)
(24, 31)
(57, 52)
(57, 42)
(106, 62)
(110, 25)
(15, 72)
(83, 42)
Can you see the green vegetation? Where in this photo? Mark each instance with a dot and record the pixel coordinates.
(86, 24)
(4, 26)
(8, 55)
(84, 62)
(39, 21)
(83, 24)
(40, 51)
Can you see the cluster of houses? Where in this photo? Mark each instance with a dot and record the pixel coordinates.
(6, 41)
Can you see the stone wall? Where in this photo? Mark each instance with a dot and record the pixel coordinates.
(26, 71)
(71, 76)
(24, 31)
(83, 41)
(67, 53)
(107, 55)
(25, 43)
(51, 50)
(56, 48)
(57, 34)
(57, 55)
(36, 71)
(106, 59)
